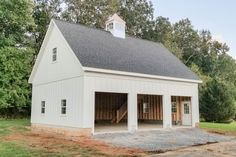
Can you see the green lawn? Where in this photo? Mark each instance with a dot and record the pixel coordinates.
(220, 127)
(23, 148)
(8, 126)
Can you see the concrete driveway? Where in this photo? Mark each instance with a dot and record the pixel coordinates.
(162, 140)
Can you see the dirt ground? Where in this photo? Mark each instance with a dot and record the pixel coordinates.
(60, 145)
(222, 149)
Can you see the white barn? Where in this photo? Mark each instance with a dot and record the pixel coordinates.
(88, 81)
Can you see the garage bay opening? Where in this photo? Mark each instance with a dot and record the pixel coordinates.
(150, 111)
(181, 111)
(111, 112)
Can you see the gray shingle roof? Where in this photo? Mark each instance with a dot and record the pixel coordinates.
(100, 49)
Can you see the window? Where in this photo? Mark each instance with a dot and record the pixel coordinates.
(42, 107)
(54, 54)
(173, 107)
(63, 106)
(145, 107)
(186, 108)
(110, 26)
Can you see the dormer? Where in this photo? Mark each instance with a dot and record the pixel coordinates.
(116, 26)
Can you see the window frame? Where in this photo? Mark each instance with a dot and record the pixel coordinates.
(146, 107)
(54, 55)
(174, 109)
(63, 107)
(43, 107)
(186, 108)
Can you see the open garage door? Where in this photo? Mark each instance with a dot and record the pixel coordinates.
(111, 112)
(150, 111)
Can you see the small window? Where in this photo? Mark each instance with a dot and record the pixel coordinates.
(54, 54)
(173, 107)
(186, 108)
(110, 26)
(145, 107)
(63, 106)
(42, 107)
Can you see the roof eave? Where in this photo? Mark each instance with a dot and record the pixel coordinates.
(116, 72)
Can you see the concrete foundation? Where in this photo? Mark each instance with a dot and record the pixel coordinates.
(61, 132)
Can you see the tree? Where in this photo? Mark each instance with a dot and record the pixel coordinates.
(15, 19)
(15, 56)
(43, 12)
(138, 15)
(217, 101)
(187, 40)
(15, 91)
(90, 12)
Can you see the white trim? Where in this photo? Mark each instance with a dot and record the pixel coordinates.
(88, 69)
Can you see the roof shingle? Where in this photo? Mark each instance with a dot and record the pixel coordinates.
(100, 49)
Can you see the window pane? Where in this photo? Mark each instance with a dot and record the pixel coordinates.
(174, 107)
(42, 107)
(145, 107)
(54, 54)
(186, 108)
(63, 106)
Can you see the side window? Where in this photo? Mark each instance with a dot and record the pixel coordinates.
(42, 107)
(63, 106)
(146, 107)
(173, 107)
(54, 54)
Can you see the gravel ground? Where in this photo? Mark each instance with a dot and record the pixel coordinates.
(162, 140)
(222, 149)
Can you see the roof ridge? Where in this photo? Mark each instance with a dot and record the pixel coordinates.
(103, 30)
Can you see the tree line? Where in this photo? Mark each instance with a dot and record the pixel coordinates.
(24, 24)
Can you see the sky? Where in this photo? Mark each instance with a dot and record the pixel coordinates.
(218, 16)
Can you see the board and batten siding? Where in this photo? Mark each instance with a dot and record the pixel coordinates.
(52, 94)
(101, 82)
(54, 81)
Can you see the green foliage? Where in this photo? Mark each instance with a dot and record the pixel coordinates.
(15, 19)
(217, 101)
(43, 11)
(15, 92)
(90, 12)
(138, 15)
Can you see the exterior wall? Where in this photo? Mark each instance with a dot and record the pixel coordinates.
(52, 93)
(66, 66)
(54, 81)
(98, 82)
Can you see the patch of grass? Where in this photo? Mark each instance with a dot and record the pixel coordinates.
(219, 127)
(9, 125)
(12, 149)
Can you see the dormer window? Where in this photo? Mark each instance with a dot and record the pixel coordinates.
(54, 54)
(110, 26)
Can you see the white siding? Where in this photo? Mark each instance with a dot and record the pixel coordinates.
(133, 86)
(66, 66)
(53, 82)
(52, 94)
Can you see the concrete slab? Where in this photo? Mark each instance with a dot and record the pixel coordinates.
(162, 140)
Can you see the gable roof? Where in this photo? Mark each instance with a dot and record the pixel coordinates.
(100, 49)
